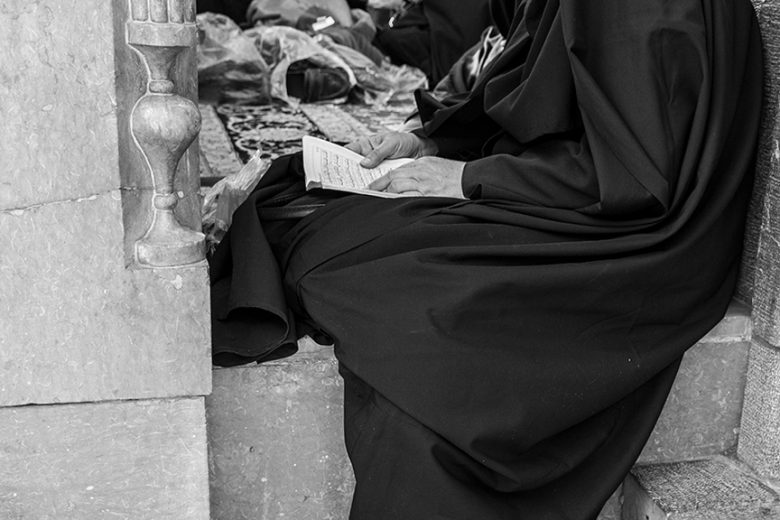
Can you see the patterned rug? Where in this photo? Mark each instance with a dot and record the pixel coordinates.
(218, 157)
(231, 134)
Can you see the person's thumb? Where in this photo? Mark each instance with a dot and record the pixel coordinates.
(377, 155)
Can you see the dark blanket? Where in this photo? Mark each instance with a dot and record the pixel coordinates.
(506, 357)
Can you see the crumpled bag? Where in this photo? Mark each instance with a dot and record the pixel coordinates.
(281, 46)
(221, 200)
(230, 68)
(377, 85)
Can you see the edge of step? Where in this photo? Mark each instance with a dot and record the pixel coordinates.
(736, 325)
(712, 488)
(702, 414)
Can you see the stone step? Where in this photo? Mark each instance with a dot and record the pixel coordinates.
(715, 488)
(275, 430)
(701, 416)
(612, 510)
(275, 438)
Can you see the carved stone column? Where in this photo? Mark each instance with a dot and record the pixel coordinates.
(164, 125)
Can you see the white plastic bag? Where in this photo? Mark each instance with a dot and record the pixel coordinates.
(230, 68)
(222, 199)
(281, 46)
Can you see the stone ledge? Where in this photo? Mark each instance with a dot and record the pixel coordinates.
(736, 325)
(612, 510)
(759, 443)
(702, 414)
(717, 488)
(276, 446)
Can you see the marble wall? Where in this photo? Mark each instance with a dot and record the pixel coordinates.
(103, 364)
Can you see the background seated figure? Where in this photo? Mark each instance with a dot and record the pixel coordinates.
(432, 34)
(289, 9)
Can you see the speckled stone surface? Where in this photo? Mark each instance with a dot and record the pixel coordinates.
(58, 137)
(276, 446)
(613, 508)
(736, 325)
(133, 460)
(767, 172)
(708, 489)
(702, 413)
(766, 273)
(759, 443)
(78, 326)
(766, 307)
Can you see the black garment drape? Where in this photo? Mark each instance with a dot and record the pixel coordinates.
(235, 9)
(506, 356)
(433, 34)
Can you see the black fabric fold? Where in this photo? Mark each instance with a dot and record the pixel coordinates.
(518, 346)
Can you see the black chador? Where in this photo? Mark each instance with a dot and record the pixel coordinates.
(506, 356)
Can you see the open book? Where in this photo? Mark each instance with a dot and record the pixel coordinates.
(333, 167)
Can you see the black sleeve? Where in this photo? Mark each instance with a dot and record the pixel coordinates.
(556, 173)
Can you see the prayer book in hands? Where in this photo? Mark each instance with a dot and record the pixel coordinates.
(333, 167)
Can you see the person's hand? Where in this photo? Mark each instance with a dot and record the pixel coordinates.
(427, 176)
(392, 145)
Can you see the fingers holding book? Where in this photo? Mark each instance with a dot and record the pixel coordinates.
(391, 145)
(427, 176)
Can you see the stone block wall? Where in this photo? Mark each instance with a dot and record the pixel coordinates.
(58, 103)
(768, 13)
(759, 443)
(122, 459)
(104, 365)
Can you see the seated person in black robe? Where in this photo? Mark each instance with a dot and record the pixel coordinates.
(432, 34)
(508, 333)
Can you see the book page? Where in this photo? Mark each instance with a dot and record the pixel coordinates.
(331, 166)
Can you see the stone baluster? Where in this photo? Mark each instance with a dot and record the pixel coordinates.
(164, 125)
